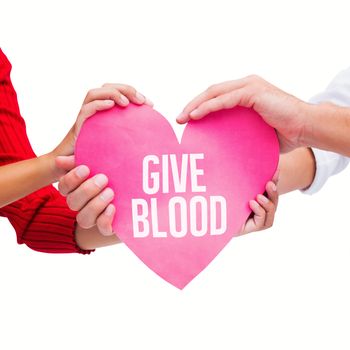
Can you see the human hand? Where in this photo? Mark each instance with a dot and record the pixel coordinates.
(96, 100)
(284, 112)
(263, 209)
(91, 197)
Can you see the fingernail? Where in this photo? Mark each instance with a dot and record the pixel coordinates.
(262, 198)
(194, 113)
(253, 205)
(82, 171)
(100, 180)
(149, 102)
(276, 177)
(108, 102)
(140, 97)
(109, 210)
(60, 157)
(123, 100)
(274, 187)
(107, 194)
(181, 117)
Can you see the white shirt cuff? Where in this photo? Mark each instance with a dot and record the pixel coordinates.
(327, 164)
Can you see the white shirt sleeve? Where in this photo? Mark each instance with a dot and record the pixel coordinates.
(329, 163)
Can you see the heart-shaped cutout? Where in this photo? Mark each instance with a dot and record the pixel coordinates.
(178, 205)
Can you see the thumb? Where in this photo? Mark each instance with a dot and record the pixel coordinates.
(65, 162)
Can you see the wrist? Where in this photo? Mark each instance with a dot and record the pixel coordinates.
(49, 163)
(292, 124)
(66, 146)
(310, 115)
(91, 238)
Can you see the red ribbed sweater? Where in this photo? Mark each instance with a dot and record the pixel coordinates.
(42, 220)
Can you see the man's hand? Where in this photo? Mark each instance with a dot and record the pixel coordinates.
(282, 111)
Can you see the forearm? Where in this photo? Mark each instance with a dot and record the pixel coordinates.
(297, 170)
(91, 238)
(327, 127)
(19, 179)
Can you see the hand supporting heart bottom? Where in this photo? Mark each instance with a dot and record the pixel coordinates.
(178, 205)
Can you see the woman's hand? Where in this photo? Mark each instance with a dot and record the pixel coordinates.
(282, 111)
(96, 100)
(91, 197)
(263, 209)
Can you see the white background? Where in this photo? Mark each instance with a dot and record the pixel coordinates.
(286, 288)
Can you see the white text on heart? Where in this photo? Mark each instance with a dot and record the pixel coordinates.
(202, 215)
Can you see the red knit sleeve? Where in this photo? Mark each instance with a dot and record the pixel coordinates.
(42, 220)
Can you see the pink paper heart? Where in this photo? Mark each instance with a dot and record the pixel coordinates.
(229, 156)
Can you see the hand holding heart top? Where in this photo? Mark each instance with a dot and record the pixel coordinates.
(284, 112)
(298, 124)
